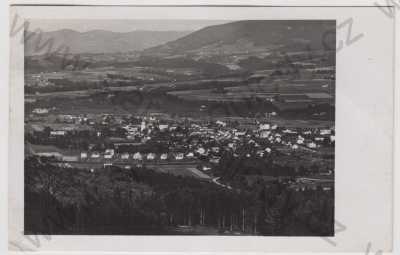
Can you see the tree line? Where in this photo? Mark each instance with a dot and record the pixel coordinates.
(142, 201)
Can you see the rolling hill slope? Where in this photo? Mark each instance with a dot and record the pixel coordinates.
(96, 41)
(291, 34)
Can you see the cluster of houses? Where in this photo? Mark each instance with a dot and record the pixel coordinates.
(209, 142)
(189, 140)
(38, 80)
(137, 156)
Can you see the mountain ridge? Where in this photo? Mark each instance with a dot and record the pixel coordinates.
(96, 41)
(289, 33)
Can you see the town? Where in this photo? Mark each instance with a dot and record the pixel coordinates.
(97, 141)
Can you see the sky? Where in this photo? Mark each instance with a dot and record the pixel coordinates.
(122, 25)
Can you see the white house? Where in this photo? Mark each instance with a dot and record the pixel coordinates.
(137, 156)
(40, 110)
(214, 160)
(201, 151)
(125, 155)
(151, 156)
(109, 152)
(264, 133)
(143, 126)
(264, 126)
(300, 139)
(240, 133)
(57, 132)
(312, 145)
(179, 156)
(325, 132)
(220, 123)
(260, 153)
(288, 131)
(163, 127)
(95, 155)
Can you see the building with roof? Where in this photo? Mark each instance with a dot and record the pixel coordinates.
(137, 156)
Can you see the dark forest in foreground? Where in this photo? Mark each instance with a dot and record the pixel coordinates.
(141, 201)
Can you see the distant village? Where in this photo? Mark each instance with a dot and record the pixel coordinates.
(108, 139)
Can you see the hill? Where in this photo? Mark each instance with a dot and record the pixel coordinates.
(251, 34)
(96, 41)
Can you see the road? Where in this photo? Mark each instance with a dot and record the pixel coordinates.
(215, 180)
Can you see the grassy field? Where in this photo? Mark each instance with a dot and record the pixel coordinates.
(180, 170)
(185, 170)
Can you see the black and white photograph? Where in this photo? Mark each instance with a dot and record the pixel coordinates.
(179, 127)
(200, 128)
